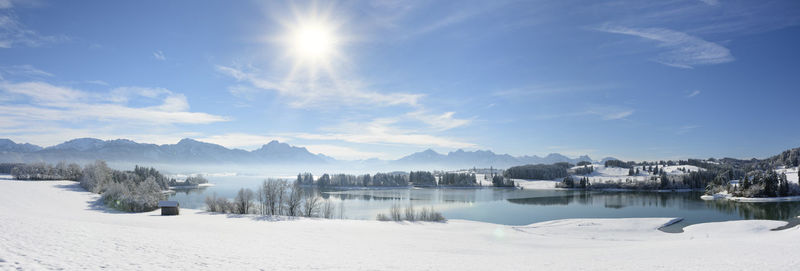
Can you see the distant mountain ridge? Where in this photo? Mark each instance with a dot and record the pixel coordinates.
(483, 158)
(190, 151)
(185, 151)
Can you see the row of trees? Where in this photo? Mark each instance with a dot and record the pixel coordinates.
(458, 179)
(585, 170)
(760, 184)
(43, 171)
(190, 181)
(422, 178)
(500, 181)
(569, 182)
(618, 163)
(538, 172)
(274, 197)
(347, 180)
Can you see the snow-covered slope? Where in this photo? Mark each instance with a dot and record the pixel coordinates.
(57, 225)
(612, 174)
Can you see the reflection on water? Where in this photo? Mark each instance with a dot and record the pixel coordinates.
(767, 210)
(517, 207)
(200, 190)
(683, 201)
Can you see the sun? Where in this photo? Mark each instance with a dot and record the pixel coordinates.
(313, 41)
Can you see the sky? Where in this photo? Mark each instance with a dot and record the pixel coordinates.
(636, 80)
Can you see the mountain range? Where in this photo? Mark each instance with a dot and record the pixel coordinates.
(190, 151)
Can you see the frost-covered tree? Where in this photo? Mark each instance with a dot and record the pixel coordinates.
(243, 201)
(294, 201)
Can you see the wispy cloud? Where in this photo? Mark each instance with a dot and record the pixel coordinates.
(710, 2)
(440, 122)
(686, 129)
(548, 88)
(159, 55)
(303, 93)
(4, 4)
(615, 115)
(27, 71)
(341, 152)
(603, 112)
(41, 101)
(694, 93)
(13, 33)
(679, 49)
(383, 131)
(454, 18)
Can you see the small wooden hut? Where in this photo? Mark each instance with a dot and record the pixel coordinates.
(169, 207)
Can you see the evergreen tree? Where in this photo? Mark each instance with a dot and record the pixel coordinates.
(584, 182)
(664, 181)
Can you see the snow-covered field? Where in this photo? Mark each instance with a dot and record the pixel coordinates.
(536, 184)
(57, 225)
(791, 173)
(603, 174)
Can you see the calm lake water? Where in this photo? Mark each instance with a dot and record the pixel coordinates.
(518, 207)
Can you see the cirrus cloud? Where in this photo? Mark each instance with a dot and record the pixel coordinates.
(679, 49)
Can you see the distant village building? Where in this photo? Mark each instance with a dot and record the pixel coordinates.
(169, 207)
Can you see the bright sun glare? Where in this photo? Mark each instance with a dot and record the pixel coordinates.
(314, 41)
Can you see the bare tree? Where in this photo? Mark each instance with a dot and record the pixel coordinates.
(311, 206)
(280, 193)
(262, 198)
(243, 201)
(327, 209)
(341, 209)
(293, 202)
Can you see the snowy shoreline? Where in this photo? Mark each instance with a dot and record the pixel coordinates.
(721, 196)
(191, 186)
(37, 229)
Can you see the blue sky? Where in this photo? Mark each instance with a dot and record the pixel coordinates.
(631, 79)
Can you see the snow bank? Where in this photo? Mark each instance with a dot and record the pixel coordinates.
(536, 184)
(725, 196)
(773, 199)
(57, 225)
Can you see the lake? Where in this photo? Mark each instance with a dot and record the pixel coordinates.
(517, 207)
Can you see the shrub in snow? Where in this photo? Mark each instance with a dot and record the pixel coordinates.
(382, 217)
(395, 214)
(409, 213)
(425, 214)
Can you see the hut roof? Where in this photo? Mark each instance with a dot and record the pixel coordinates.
(167, 203)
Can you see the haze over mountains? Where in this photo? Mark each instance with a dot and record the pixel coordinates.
(190, 151)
